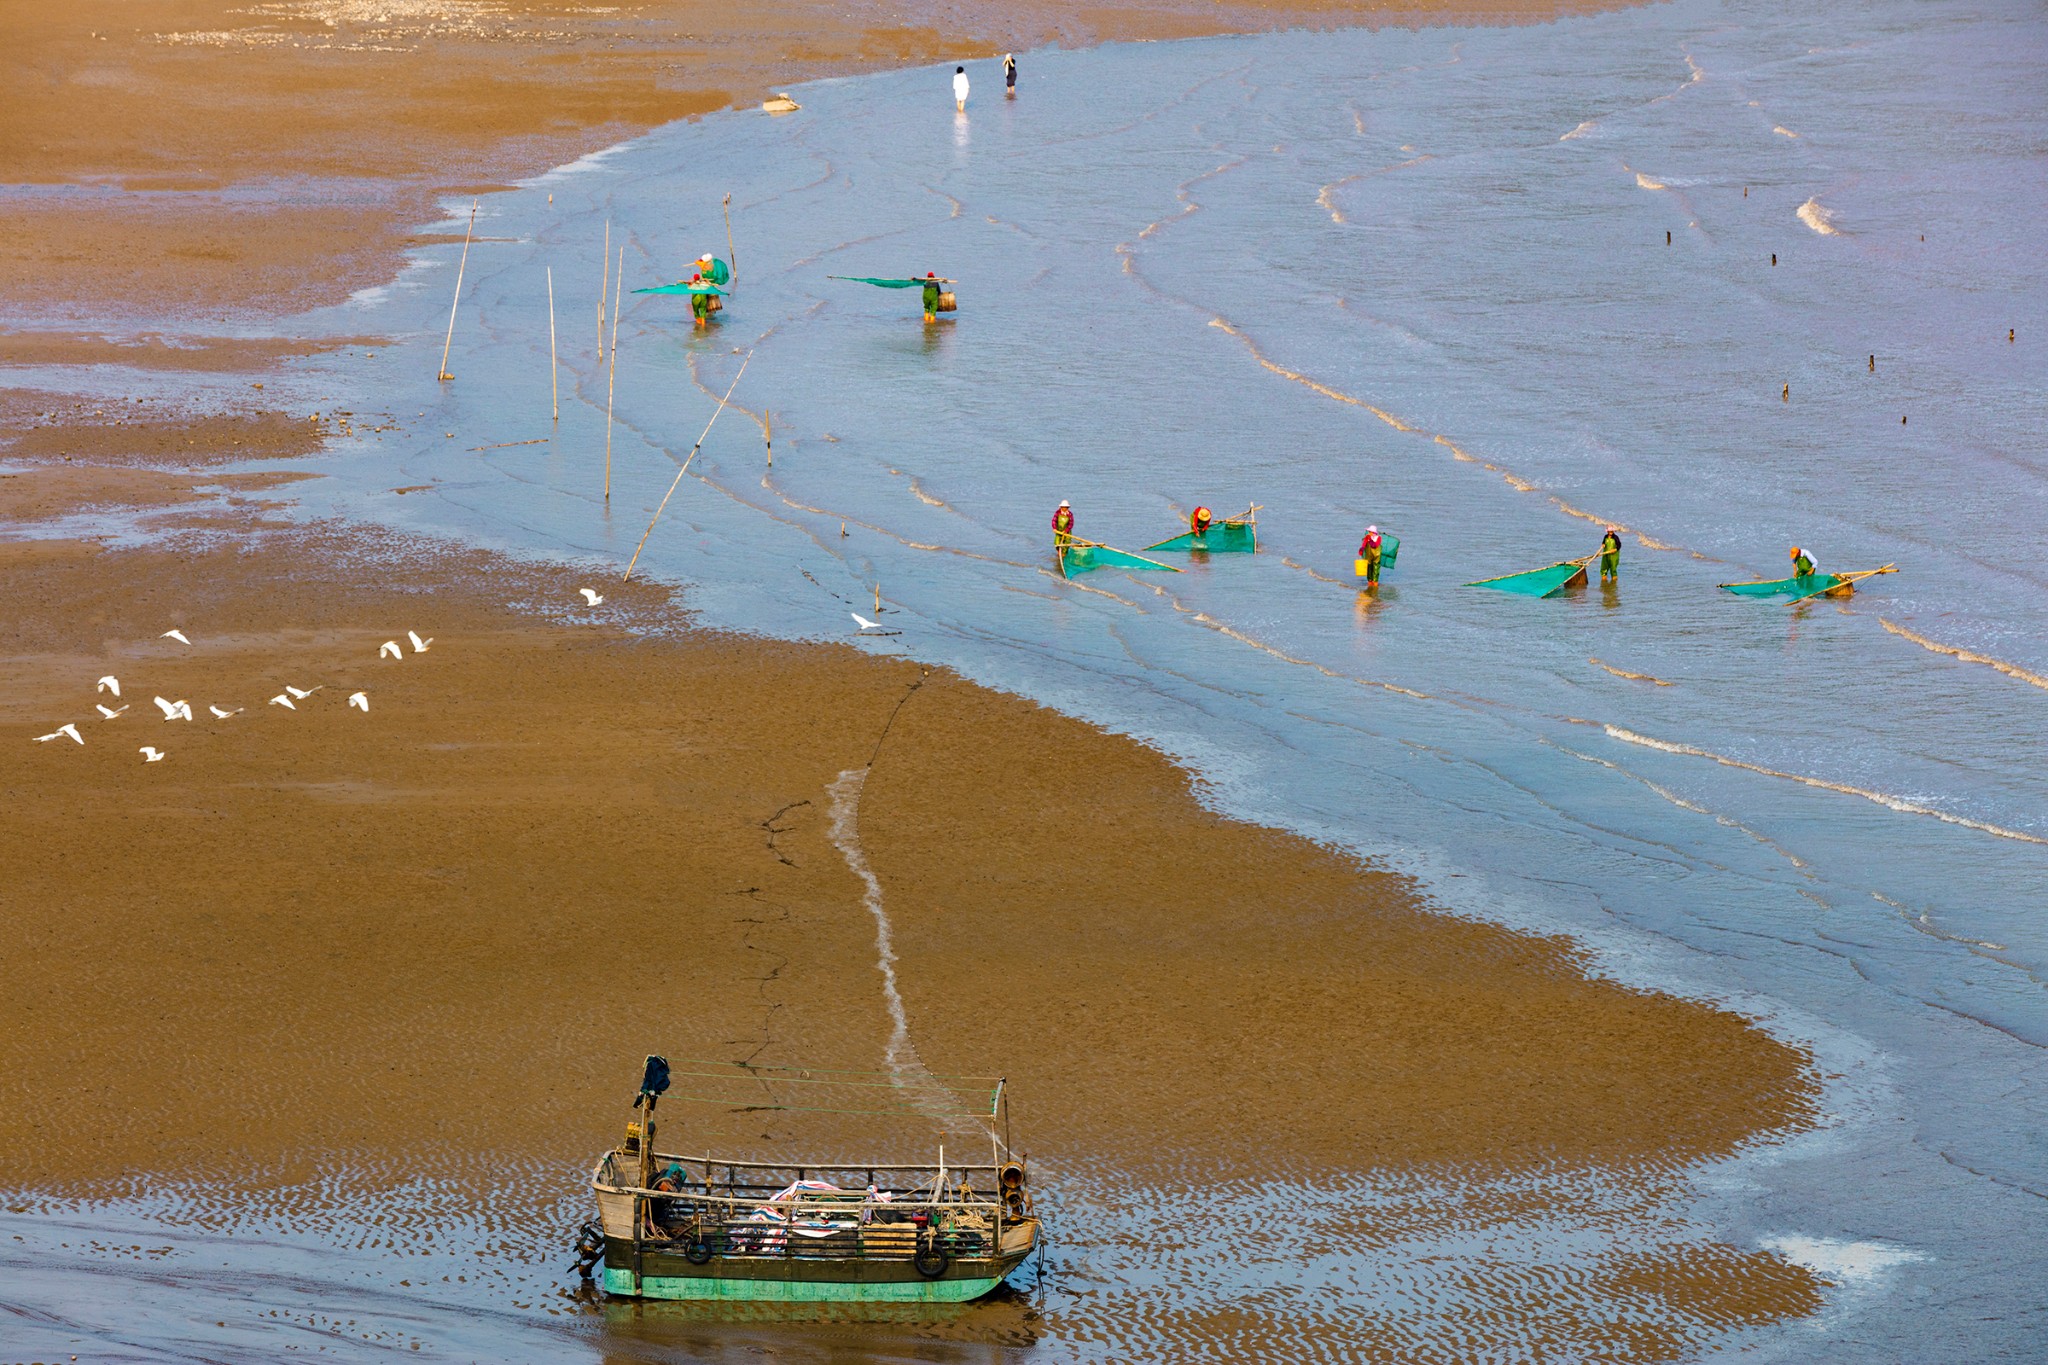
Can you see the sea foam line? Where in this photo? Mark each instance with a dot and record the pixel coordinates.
(845, 834)
(906, 1068)
(1889, 802)
(1967, 656)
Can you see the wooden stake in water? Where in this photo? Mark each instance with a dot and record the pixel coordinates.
(604, 287)
(768, 434)
(685, 469)
(554, 363)
(611, 384)
(458, 291)
(732, 257)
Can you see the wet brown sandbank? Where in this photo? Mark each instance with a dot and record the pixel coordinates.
(527, 803)
(393, 939)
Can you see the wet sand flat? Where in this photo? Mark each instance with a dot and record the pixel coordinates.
(323, 945)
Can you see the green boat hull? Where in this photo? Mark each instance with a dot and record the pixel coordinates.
(1226, 537)
(700, 1288)
(1538, 582)
(1786, 587)
(668, 1274)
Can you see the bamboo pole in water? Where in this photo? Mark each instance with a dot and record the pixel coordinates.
(456, 302)
(685, 469)
(554, 362)
(768, 434)
(604, 287)
(611, 383)
(732, 257)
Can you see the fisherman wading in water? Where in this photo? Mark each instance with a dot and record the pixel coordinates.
(1009, 75)
(931, 302)
(1200, 522)
(700, 304)
(1802, 567)
(1063, 524)
(1369, 555)
(1610, 556)
(960, 89)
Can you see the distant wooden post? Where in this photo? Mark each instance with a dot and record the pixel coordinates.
(554, 362)
(604, 287)
(457, 301)
(611, 384)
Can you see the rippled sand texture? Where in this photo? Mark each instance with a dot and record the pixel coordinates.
(329, 1007)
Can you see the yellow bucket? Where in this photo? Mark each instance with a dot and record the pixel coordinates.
(1362, 567)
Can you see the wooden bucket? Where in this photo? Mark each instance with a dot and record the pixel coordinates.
(713, 304)
(947, 303)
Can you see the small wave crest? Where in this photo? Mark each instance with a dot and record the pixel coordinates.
(1890, 802)
(1819, 218)
(1586, 129)
(1624, 673)
(1783, 131)
(1645, 182)
(1967, 656)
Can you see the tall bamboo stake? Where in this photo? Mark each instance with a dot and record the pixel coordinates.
(604, 287)
(457, 301)
(733, 257)
(554, 363)
(611, 384)
(685, 469)
(768, 434)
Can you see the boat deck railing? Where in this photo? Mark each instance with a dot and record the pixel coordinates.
(732, 1208)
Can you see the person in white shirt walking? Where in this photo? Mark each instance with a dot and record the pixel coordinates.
(960, 88)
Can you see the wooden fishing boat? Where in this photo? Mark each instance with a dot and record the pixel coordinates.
(1805, 586)
(1231, 535)
(1079, 556)
(1545, 582)
(696, 1226)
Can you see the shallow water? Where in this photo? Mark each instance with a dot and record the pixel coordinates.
(1417, 278)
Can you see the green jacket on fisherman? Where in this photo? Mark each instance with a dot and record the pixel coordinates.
(1802, 567)
(1610, 556)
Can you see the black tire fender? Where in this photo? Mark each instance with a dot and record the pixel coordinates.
(930, 1262)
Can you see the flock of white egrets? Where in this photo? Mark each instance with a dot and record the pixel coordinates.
(288, 699)
(182, 709)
